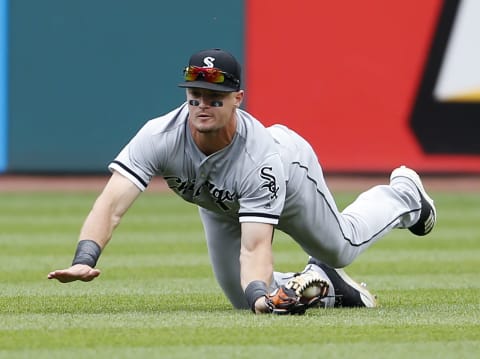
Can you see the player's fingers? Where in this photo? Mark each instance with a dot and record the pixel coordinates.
(91, 275)
(63, 276)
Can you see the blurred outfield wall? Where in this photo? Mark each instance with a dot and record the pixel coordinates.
(371, 84)
(84, 75)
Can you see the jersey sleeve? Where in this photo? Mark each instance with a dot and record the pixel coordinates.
(263, 193)
(139, 160)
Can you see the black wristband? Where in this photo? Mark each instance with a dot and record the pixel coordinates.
(87, 253)
(255, 290)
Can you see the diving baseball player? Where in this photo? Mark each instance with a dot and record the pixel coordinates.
(247, 181)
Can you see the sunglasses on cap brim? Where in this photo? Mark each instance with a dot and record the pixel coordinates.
(209, 74)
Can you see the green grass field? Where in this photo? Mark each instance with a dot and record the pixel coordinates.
(157, 298)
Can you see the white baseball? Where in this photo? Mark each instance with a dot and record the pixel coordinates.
(311, 291)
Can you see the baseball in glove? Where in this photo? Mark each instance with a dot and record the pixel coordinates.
(303, 291)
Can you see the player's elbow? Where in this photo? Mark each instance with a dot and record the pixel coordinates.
(115, 220)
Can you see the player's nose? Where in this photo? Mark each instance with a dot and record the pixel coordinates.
(204, 101)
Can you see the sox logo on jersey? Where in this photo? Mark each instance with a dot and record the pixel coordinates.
(270, 181)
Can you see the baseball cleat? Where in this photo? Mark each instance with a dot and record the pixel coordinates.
(348, 293)
(428, 214)
(310, 286)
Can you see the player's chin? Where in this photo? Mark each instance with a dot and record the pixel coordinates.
(207, 127)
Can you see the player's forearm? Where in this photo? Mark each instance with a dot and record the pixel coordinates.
(256, 259)
(99, 226)
(108, 209)
(256, 264)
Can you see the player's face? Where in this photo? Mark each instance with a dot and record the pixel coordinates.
(211, 111)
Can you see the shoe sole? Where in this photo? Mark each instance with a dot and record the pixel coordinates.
(367, 298)
(413, 176)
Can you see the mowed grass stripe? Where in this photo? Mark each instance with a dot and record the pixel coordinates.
(424, 350)
(180, 335)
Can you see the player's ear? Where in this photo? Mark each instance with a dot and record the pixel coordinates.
(238, 98)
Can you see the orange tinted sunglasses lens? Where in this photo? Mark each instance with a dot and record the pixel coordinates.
(209, 74)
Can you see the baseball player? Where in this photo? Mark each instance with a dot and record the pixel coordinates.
(247, 181)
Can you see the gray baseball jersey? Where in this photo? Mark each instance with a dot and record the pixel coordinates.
(269, 175)
(244, 180)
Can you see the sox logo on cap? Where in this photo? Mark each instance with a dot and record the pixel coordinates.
(208, 61)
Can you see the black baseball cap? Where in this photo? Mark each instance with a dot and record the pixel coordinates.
(218, 59)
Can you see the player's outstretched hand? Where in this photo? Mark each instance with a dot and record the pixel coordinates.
(81, 272)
